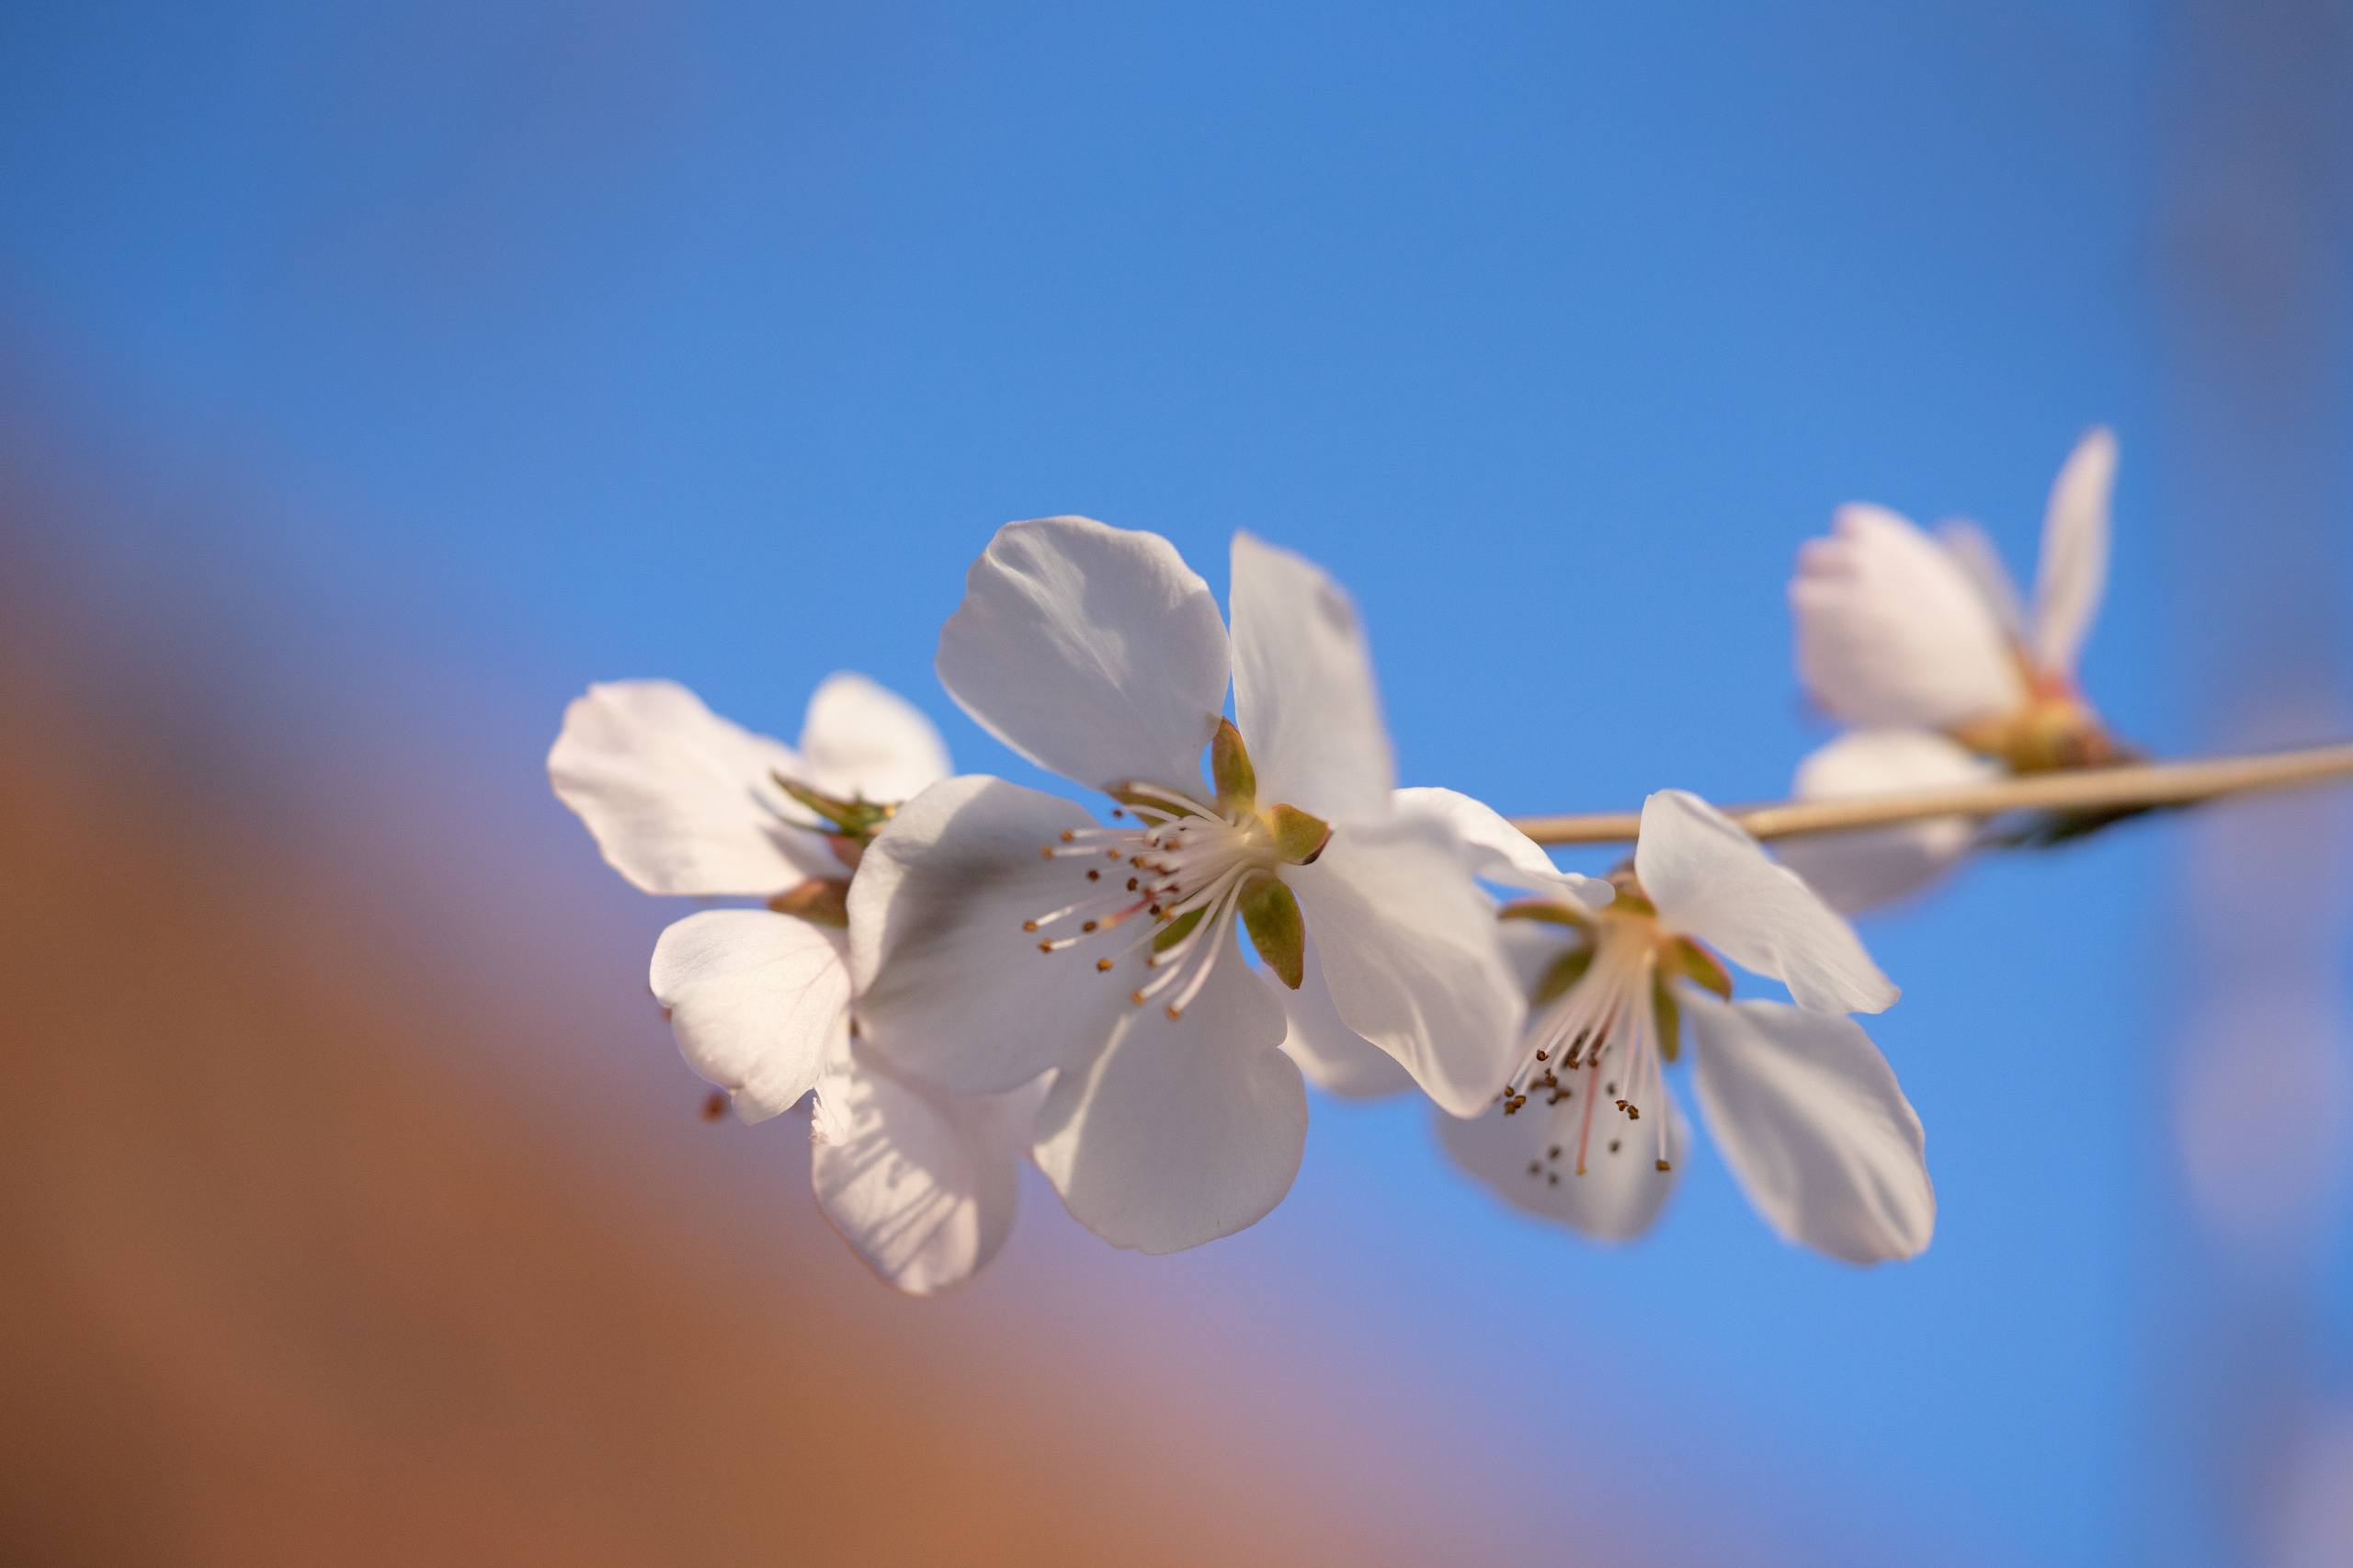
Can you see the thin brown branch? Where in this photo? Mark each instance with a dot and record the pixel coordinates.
(2091, 790)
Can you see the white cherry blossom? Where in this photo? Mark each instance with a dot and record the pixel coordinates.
(1800, 1101)
(1926, 647)
(920, 1183)
(998, 932)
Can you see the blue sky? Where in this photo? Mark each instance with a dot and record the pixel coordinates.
(712, 343)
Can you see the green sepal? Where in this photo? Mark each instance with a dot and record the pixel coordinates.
(1696, 964)
(858, 819)
(820, 901)
(1176, 930)
(1564, 972)
(1630, 901)
(1230, 770)
(1552, 912)
(1668, 1015)
(1271, 913)
(1298, 838)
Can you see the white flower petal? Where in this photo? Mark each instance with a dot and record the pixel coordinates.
(1860, 871)
(1092, 650)
(1892, 631)
(2073, 572)
(1975, 555)
(1334, 1057)
(951, 988)
(922, 1185)
(1712, 881)
(1409, 947)
(1813, 1122)
(1182, 1131)
(679, 799)
(863, 741)
(1303, 693)
(759, 1002)
(1621, 1192)
(1495, 851)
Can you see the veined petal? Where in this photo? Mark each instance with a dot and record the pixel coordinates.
(2073, 573)
(1531, 1161)
(951, 988)
(1813, 1122)
(1334, 1057)
(922, 1185)
(1712, 881)
(759, 1002)
(1182, 1131)
(1090, 649)
(1494, 850)
(1854, 872)
(1303, 693)
(1891, 629)
(1409, 947)
(862, 741)
(679, 799)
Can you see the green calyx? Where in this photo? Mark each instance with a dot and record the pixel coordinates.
(1667, 1013)
(820, 901)
(1549, 912)
(857, 820)
(1298, 838)
(1230, 770)
(1176, 930)
(1271, 915)
(1693, 962)
(1563, 972)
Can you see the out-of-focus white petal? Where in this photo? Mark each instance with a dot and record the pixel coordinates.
(922, 1185)
(951, 988)
(1303, 693)
(1184, 1130)
(1860, 871)
(2073, 573)
(1529, 1158)
(863, 741)
(1712, 881)
(1409, 947)
(759, 1002)
(1892, 631)
(1495, 851)
(1334, 1057)
(1813, 1122)
(1975, 554)
(679, 799)
(1092, 650)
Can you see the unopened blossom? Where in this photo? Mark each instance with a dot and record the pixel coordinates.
(1924, 647)
(1800, 1103)
(684, 802)
(999, 932)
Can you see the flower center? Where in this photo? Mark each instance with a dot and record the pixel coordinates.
(2052, 727)
(1186, 870)
(1604, 1024)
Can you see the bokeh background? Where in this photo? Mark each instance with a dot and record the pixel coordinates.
(374, 377)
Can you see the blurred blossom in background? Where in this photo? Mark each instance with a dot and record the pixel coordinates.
(372, 379)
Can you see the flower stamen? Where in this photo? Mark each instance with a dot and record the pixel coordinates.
(1190, 865)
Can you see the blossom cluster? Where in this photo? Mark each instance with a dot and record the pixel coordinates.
(1131, 985)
